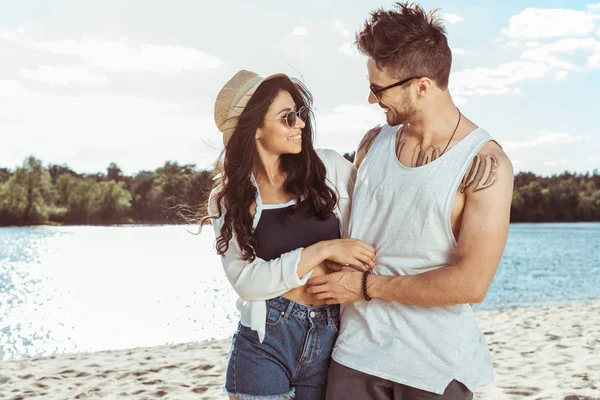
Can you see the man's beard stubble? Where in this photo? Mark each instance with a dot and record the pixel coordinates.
(403, 116)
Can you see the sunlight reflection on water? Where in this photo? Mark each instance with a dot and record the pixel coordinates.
(65, 289)
(95, 288)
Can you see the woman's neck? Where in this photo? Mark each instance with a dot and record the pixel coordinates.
(268, 171)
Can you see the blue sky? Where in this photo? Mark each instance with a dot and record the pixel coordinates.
(88, 83)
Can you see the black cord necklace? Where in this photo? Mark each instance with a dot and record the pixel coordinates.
(453, 133)
(451, 137)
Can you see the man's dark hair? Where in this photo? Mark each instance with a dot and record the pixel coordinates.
(407, 41)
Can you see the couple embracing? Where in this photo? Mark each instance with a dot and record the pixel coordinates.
(356, 281)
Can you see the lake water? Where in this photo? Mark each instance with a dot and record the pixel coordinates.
(65, 289)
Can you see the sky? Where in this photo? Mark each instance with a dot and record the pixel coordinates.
(87, 83)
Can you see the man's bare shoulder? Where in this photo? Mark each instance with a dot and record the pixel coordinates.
(365, 144)
(490, 170)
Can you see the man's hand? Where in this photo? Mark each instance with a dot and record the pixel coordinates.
(337, 288)
(332, 265)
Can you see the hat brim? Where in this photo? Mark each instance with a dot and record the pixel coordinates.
(243, 100)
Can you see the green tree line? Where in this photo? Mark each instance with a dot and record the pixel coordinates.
(34, 194)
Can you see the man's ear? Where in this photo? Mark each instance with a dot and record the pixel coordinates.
(423, 86)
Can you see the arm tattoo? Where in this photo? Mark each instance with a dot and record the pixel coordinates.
(481, 174)
(370, 137)
(366, 143)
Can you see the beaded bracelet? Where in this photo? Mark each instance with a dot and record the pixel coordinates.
(364, 285)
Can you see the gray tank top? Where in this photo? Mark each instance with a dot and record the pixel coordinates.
(405, 214)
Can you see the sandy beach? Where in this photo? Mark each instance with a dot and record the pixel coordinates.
(550, 352)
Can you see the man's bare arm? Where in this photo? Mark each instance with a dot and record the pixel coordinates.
(488, 186)
(365, 144)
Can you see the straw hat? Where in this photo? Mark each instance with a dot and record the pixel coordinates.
(233, 99)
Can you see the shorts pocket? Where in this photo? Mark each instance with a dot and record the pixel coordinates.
(274, 316)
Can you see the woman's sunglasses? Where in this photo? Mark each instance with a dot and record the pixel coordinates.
(291, 117)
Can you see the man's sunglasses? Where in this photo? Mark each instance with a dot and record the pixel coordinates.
(376, 91)
(291, 117)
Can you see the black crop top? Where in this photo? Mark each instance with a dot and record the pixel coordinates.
(277, 233)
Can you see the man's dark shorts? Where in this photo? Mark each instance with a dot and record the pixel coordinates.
(344, 383)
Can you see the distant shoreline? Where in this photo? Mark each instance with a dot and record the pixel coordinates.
(197, 225)
(53, 194)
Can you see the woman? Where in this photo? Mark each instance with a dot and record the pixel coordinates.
(279, 211)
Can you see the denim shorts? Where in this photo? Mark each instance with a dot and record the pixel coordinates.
(292, 361)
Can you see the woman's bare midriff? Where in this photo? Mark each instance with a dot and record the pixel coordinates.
(299, 294)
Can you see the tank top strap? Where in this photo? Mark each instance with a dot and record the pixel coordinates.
(462, 154)
(380, 148)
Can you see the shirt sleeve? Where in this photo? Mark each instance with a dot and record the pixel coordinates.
(259, 279)
(346, 172)
(342, 175)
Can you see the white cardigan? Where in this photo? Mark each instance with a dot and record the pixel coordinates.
(261, 280)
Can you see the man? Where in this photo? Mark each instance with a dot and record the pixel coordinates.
(433, 196)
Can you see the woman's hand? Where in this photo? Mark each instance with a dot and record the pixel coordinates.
(350, 252)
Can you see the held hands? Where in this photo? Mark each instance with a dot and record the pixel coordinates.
(351, 253)
(350, 257)
(337, 287)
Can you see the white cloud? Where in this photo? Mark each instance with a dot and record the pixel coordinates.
(350, 117)
(20, 103)
(533, 44)
(555, 163)
(64, 75)
(593, 61)
(122, 55)
(343, 128)
(339, 25)
(513, 43)
(457, 50)
(350, 49)
(88, 131)
(594, 159)
(537, 23)
(561, 75)
(593, 7)
(301, 31)
(459, 100)
(499, 80)
(452, 18)
(548, 54)
(9, 36)
(517, 91)
(544, 139)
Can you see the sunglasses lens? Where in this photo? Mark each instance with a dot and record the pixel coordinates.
(303, 113)
(290, 119)
(374, 94)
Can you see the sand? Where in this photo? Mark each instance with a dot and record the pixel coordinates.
(183, 371)
(550, 352)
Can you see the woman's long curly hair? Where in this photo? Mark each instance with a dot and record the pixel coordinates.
(305, 171)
